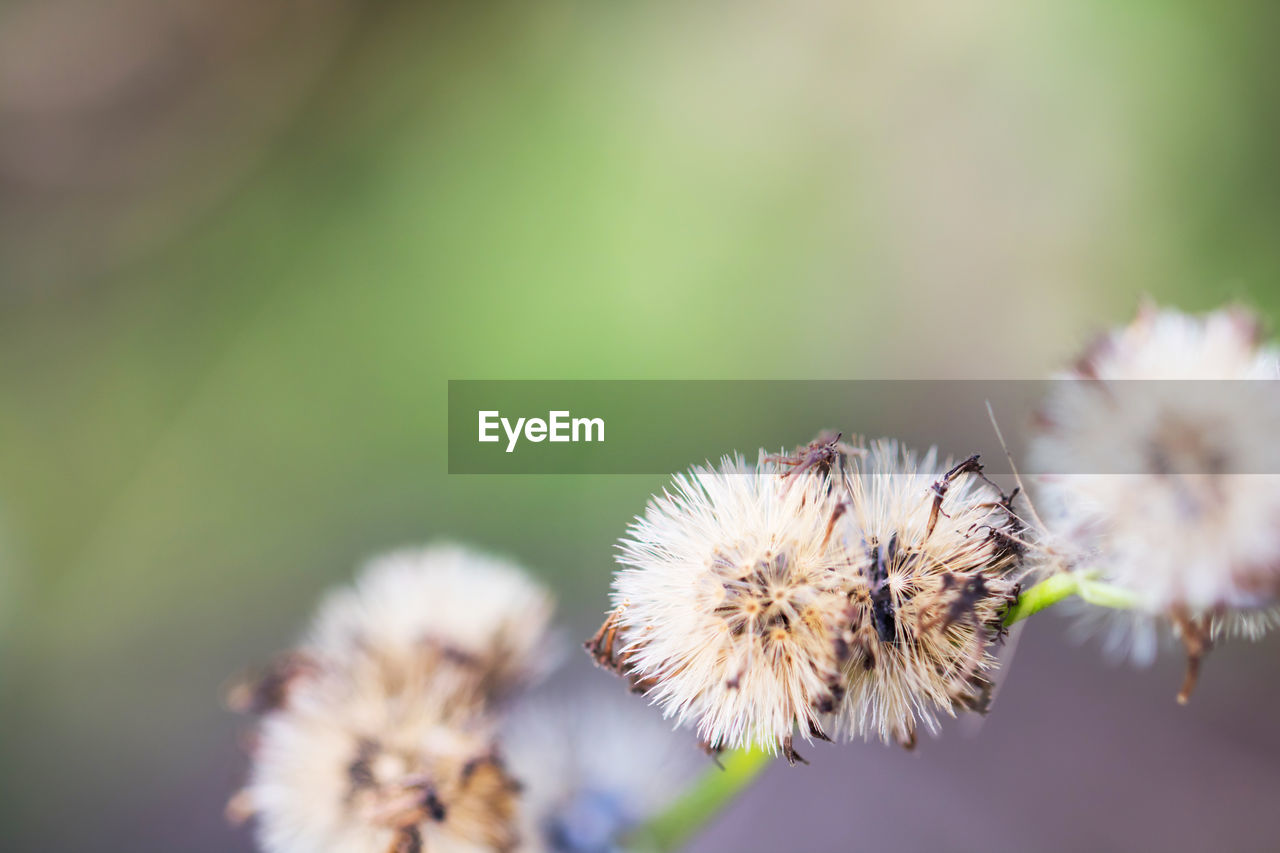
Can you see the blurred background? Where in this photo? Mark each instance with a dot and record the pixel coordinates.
(244, 244)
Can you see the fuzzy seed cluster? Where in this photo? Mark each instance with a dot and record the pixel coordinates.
(1161, 458)
(839, 591)
(379, 733)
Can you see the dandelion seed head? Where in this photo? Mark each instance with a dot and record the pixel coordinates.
(377, 734)
(927, 591)
(729, 595)
(351, 766)
(1168, 344)
(861, 597)
(485, 617)
(1151, 483)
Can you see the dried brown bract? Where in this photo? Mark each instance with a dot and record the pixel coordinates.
(822, 456)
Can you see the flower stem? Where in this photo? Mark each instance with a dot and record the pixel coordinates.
(672, 828)
(1105, 595)
(1061, 586)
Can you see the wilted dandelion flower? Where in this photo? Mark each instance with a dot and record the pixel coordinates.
(860, 593)
(936, 562)
(593, 766)
(1159, 485)
(729, 603)
(376, 734)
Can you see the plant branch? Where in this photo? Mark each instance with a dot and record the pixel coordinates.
(672, 828)
(1059, 587)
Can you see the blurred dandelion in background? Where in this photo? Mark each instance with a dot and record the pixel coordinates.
(483, 618)
(379, 732)
(1166, 483)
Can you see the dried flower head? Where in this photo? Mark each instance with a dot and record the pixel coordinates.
(377, 733)
(483, 615)
(1160, 485)
(936, 562)
(860, 594)
(730, 601)
(593, 766)
(353, 764)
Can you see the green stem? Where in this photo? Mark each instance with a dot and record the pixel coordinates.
(1105, 595)
(1047, 593)
(672, 829)
(1058, 587)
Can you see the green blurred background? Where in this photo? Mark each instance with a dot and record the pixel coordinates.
(244, 244)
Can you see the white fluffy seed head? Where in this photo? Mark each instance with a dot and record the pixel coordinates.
(362, 760)
(929, 585)
(760, 601)
(592, 768)
(377, 732)
(1162, 485)
(484, 613)
(730, 600)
